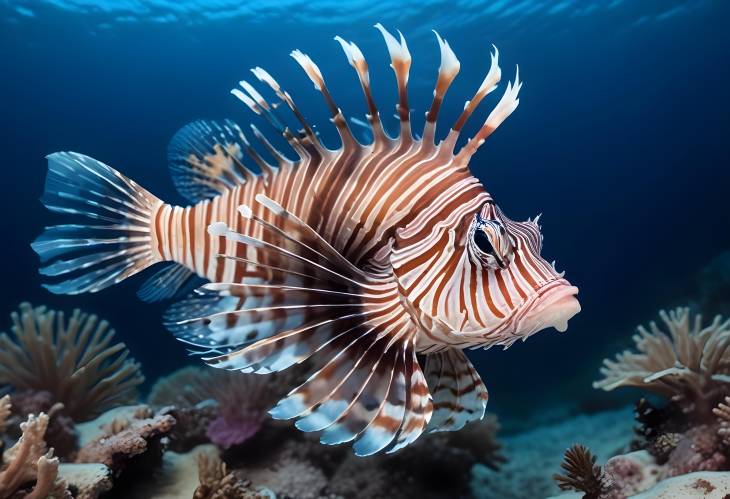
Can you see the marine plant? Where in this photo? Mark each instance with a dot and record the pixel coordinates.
(582, 473)
(74, 360)
(689, 364)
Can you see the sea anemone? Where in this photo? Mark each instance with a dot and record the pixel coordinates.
(690, 365)
(73, 360)
(243, 399)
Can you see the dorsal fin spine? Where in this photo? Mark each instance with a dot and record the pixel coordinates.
(265, 77)
(357, 61)
(448, 69)
(314, 73)
(266, 168)
(506, 105)
(280, 158)
(400, 59)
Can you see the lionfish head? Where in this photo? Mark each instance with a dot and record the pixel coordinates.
(514, 291)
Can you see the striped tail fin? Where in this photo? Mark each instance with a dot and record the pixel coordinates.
(111, 238)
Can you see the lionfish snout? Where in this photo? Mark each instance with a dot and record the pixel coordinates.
(554, 306)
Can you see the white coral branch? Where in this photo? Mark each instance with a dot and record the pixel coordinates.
(684, 362)
(722, 412)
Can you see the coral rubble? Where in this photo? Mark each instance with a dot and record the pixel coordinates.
(74, 360)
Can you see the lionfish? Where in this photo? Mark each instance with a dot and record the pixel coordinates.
(377, 263)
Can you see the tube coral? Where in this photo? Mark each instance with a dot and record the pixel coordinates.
(690, 365)
(74, 360)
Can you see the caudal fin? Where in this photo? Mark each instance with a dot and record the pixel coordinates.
(111, 236)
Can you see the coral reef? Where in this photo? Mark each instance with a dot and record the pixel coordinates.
(243, 401)
(29, 469)
(86, 481)
(534, 456)
(176, 478)
(722, 411)
(75, 361)
(217, 483)
(191, 425)
(133, 443)
(582, 473)
(690, 366)
(61, 432)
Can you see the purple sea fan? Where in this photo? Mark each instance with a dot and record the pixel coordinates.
(243, 400)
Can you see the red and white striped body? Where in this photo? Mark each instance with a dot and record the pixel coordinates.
(356, 259)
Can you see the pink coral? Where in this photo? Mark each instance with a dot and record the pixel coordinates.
(697, 450)
(234, 429)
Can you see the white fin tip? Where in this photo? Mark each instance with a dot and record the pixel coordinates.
(245, 211)
(218, 229)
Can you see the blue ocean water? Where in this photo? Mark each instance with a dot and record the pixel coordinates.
(620, 140)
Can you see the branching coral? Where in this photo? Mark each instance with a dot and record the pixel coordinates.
(582, 473)
(74, 360)
(722, 411)
(690, 365)
(243, 399)
(217, 483)
(60, 434)
(29, 462)
(437, 465)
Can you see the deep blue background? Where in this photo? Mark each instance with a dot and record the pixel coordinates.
(620, 140)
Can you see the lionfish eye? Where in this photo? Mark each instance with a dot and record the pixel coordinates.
(483, 243)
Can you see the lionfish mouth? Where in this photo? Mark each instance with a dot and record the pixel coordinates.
(555, 306)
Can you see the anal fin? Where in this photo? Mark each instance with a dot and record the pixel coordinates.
(459, 394)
